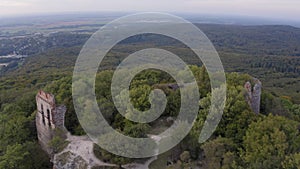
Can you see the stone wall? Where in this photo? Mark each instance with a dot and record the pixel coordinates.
(48, 117)
(253, 96)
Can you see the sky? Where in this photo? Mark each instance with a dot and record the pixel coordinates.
(277, 9)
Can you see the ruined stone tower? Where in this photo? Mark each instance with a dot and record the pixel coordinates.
(253, 97)
(48, 118)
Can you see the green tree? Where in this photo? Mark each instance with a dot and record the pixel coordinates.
(291, 162)
(14, 157)
(219, 153)
(269, 140)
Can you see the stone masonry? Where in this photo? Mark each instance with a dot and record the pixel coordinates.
(253, 97)
(48, 118)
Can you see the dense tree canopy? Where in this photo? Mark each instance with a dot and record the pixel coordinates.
(242, 139)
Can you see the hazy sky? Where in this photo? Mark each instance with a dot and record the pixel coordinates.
(285, 9)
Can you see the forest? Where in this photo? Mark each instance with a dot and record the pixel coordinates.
(242, 140)
(269, 53)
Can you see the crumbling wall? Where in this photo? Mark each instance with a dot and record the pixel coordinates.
(59, 116)
(48, 117)
(253, 96)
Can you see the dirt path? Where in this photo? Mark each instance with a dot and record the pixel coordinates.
(82, 146)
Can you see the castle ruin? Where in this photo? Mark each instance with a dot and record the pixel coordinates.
(253, 97)
(48, 118)
(78, 153)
